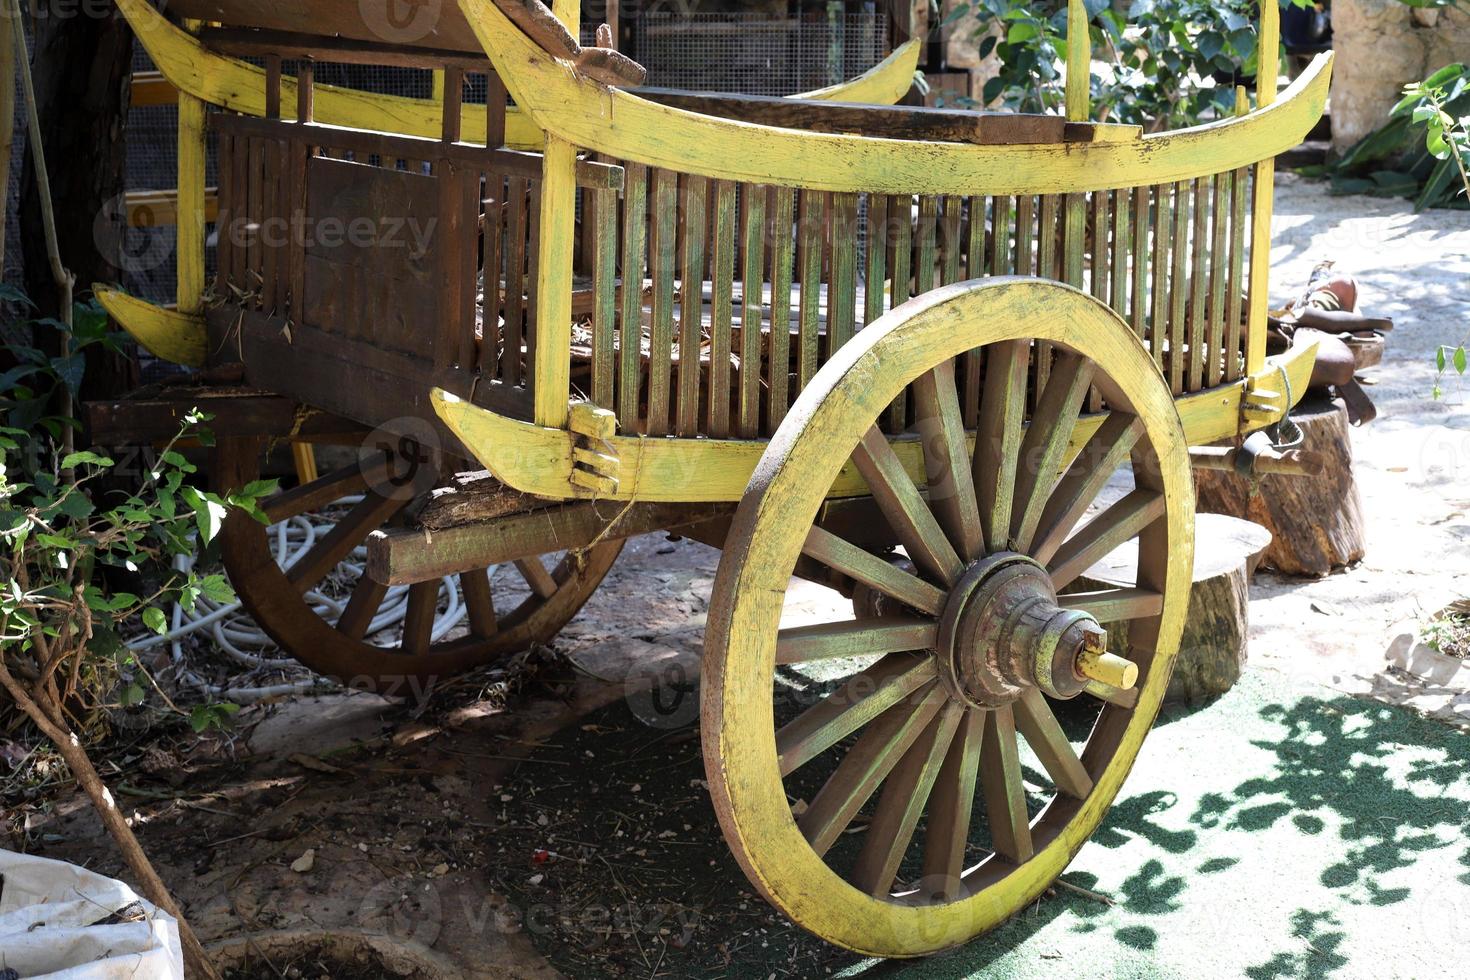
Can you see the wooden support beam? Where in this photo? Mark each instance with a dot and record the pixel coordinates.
(145, 421)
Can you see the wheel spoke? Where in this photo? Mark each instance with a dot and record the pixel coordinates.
(908, 515)
(946, 452)
(475, 587)
(348, 480)
(1084, 480)
(1121, 522)
(852, 561)
(352, 530)
(905, 794)
(998, 438)
(953, 802)
(1005, 796)
(859, 700)
(1115, 605)
(1127, 700)
(1046, 442)
(418, 619)
(367, 596)
(1036, 721)
(854, 638)
(536, 576)
(877, 751)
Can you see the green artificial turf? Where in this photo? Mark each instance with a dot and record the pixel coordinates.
(1275, 833)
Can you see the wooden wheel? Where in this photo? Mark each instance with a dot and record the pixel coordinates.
(931, 743)
(526, 602)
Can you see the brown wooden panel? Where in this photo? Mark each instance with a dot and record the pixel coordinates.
(367, 222)
(428, 25)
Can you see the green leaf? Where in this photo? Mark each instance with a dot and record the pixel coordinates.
(216, 588)
(131, 695)
(209, 513)
(1459, 360)
(73, 460)
(1439, 359)
(154, 619)
(1022, 31)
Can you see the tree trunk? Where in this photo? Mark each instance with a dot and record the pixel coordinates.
(1316, 521)
(81, 62)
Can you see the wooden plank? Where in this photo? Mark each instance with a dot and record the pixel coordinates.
(783, 203)
(495, 101)
(692, 233)
(1024, 262)
(875, 269)
(917, 123)
(1235, 285)
(1000, 252)
(951, 245)
(604, 295)
(1179, 290)
(1138, 308)
(1198, 281)
(810, 232)
(225, 221)
(722, 286)
(492, 239)
(842, 279)
(517, 223)
(1118, 253)
(1163, 221)
(753, 199)
(901, 258)
(662, 270)
(255, 204)
(630, 324)
(926, 245)
(1219, 264)
(1047, 234)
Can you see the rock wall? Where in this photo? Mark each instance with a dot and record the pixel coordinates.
(1382, 45)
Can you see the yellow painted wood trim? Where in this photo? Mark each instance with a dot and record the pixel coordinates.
(558, 232)
(626, 126)
(240, 87)
(173, 336)
(538, 460)
(191, 214)
(1079, 62)
(883, 84)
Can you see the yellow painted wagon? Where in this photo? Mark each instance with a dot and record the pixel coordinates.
(941, 362)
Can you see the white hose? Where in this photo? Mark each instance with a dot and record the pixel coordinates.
(238, 636)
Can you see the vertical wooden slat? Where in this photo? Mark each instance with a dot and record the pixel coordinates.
(1000, 224)
(1139, 304)
(722, 286)
(926, 245)
(1219, 277)
(975, 267)
(810, 236)
(224, 222)
(1025, 265)
(661, 268)
(692, 231)
(901, 256)
(1118, 253)
(753, 278)
(875, 273)
(1102, 251)
(1198, 280)
(551, 329)
(240, 216)
(1163, 225)
(951, 246)
(604, 295)
(495, 97)
(532, 280)
(300, 150)
(492, 235)
(453, 104)
(842, 281)
(271, 242)
(783, 206)
(1047, 233)
(255, 257)
(630, 327)
(1236, 284)
(1179, 289)
(517, 191)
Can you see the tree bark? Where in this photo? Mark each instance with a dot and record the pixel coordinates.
(81, 63)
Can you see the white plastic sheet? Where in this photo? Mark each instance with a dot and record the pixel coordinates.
(46, 908)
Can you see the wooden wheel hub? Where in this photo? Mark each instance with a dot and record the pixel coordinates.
(1002, 632)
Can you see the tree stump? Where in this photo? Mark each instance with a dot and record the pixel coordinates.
(1212, 651)
(1316, 522)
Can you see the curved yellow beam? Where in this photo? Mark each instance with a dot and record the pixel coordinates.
(239, 86)
(623, 125)
(176, 337)
(538, 460)
(883, 84)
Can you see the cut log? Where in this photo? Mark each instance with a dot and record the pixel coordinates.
(1316, 522)
(1212, 651)
(472, 497)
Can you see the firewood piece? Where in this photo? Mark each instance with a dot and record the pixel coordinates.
(538, 23)
(1316, 522)
(611, 67)
(1212, 651)
(474, 497)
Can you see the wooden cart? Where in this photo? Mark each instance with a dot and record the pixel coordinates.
(942, 362)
